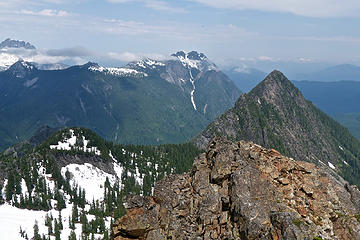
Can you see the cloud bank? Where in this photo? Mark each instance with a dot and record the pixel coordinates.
(307, 8)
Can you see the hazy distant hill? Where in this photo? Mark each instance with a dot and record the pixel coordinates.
(341, 72)
(332, 97)
(245, 79)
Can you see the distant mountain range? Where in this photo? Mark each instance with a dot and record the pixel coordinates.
(332, 97)
(245, 78)
(74, 177)
(343, 72)
(338, 99)
(8, 57)
(145, 102)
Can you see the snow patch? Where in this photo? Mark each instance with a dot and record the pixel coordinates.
(138, 177)
(201, 65)
(31, 82)
(331, 165)
(26, 65)
(205, 107)
(192, 91)
(118, 169)
(123, 72)
(149, 63)
(90, 178)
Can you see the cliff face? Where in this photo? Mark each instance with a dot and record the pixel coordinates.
(244, 191)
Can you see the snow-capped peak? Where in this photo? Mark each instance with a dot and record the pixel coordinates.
(21, 68)
(122, 71)
(194, 59)
(148, 63)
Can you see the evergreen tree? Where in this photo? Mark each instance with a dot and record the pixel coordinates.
(57, 230)
(71, 224)
(22, 232)
(75, 213)
(61, 204)
(10, 187)
(1, 195)
(60, 221)
(72, 235)
(36, 232)
(48, 223)
(106, 235)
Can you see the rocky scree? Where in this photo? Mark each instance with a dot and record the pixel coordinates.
(240, 190)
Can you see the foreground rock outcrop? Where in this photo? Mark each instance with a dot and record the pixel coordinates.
(244, 191)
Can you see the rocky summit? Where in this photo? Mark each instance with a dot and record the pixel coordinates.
(240, 190)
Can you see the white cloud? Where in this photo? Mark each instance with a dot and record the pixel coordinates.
(43, 56)
(45, 13)
(309, 8)
(130, 57)
(124, 57)
(266, 58)
(154, 4)
(305, 60)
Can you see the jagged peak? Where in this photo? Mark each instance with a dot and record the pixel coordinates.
(146, 63)
(24, 64)
(193, 55)
(12, 43)
(194, 59)
(90, 64)
(21, 68)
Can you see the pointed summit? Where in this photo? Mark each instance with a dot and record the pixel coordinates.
(276, 89)
(276, 115)
(21, 68)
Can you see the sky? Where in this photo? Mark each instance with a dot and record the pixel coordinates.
(265, 34)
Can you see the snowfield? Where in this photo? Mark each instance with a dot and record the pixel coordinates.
(124, 72)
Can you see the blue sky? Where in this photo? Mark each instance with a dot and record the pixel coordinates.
(262, 33)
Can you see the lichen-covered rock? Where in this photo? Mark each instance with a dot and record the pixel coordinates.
(243, 191)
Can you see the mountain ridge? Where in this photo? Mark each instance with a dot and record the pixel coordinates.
(276, 115)
(147, 102)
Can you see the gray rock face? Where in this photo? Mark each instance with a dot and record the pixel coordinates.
(243, 191)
